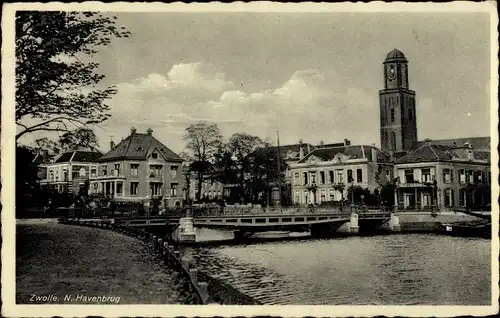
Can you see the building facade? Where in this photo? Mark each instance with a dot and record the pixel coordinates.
(67, 172)
(325, 174)
(434, 176)
(138, 169)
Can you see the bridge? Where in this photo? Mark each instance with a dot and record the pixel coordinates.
(321, 222)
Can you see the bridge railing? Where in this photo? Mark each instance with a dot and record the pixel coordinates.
(249, 211)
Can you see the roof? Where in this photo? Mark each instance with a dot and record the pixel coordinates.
(293, 150)
(432, 152)
(138, 147)
(78, 156)
(338, 144)
(354, 152)
(477, 143)
(395, 54)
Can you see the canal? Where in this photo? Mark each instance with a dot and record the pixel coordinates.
(411, 269)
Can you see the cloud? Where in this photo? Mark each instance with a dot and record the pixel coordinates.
(310, 105)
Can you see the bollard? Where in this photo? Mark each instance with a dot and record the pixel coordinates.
(160, 246)
(185, 263)
(203, 289)
(193, 272)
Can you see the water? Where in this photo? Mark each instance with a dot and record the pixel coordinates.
(414, 269)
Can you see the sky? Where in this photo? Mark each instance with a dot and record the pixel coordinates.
(312, 76)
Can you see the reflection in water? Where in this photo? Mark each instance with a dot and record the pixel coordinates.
(389, 270)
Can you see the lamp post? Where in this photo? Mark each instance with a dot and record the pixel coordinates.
(396, 182)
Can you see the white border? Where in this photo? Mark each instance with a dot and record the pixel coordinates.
(8, 168)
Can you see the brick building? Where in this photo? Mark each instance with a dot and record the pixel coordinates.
(137, 169)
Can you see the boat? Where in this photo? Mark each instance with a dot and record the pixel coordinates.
(466, 229)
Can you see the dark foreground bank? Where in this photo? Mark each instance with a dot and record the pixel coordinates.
(55, 261)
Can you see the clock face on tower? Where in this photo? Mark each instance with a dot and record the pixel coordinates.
(391, 72)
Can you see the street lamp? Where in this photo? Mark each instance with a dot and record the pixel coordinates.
(396, 182)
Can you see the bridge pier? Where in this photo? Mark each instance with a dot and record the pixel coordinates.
(354, 224)
(185, 231)
(241, 236)
(394, 223)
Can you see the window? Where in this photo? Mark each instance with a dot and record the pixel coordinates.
(305, 178)
(448, 197)
(340, 175)
(119, 188)
(330, 174)
(313, 177)
(393, 140)
(359, 175)
(470, 176)
(426, 200)
(96, 186)
(296, 178)
(155, 188)
(479, 177)
(154, 155)
(392, 115)
(462, 197)
(426, 175)
(323, 196)
(173, 189)
(447, 175)
(133, 188)
(173, 171)
(134, 169)
(104, 170)
(410, 115)
(93, 172)
(349, 176)
(461, 176)
(155, 170)
(82, 172)
(409, 176)
(117, 169)
(297, 197)
(332, 195)
(322, 177)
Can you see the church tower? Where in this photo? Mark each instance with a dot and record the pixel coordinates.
(398, 120)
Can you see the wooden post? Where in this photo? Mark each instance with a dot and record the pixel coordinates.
(160, 246)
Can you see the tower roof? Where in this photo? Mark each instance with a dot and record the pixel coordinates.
(395, 55)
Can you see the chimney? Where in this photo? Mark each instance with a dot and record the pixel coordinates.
(308, 148)
(427, 141)
(374, 155)
(133, 131)
(111, 144)
(150, 131)
(321, 142)
(347, 142)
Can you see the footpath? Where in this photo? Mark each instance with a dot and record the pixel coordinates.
(63, 264)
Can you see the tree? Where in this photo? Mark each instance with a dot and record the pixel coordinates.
(55, 76)
(203, 141)
(79, 139)
(27, 187)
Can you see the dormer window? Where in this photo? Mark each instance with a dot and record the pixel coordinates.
(289, 154)
(154, 155)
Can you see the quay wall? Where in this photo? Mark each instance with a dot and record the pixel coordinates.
(425, 221)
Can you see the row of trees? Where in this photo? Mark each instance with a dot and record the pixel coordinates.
(248, 163)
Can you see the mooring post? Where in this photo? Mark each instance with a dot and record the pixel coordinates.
(203, 288)
(193, 272)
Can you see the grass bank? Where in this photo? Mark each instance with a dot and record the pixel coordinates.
(58, 260)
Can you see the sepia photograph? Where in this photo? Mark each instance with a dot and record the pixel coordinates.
(249, 159)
